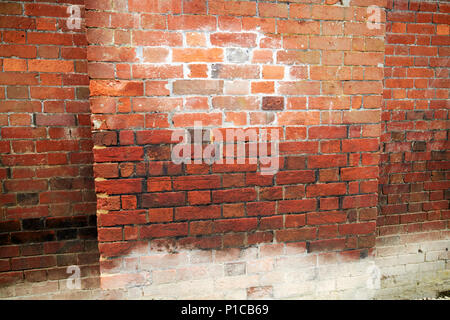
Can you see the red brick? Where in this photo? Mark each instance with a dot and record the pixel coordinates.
(360, 145)
(295, 234)
(118, 154)
(359, 201)
(122, 218)
(192, 22)
(234, 195)
(357, 228)
(327, 245)
(303, 27)
(168, 199)
(238, 8)
(359, 173)
(116, 88)
(294, 177)
(197, 55)
(119, 186)
(236, 225)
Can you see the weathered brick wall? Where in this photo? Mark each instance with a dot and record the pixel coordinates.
(414, 180)
(331, 222)
(311, 71)
(47, 214)
(414, 217)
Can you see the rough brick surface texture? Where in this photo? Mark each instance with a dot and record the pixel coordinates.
(351, 116)
(309, 71)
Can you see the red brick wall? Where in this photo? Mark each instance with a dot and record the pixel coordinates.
(414, 178)
(158, 68)
(311, 70)
(47, 214)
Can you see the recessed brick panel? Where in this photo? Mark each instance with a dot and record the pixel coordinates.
(273, 103)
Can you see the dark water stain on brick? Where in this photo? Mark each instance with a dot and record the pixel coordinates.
(33, 224)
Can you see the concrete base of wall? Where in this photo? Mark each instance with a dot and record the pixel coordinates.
(402, 270)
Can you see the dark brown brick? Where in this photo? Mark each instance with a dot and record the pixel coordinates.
(273, 103)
